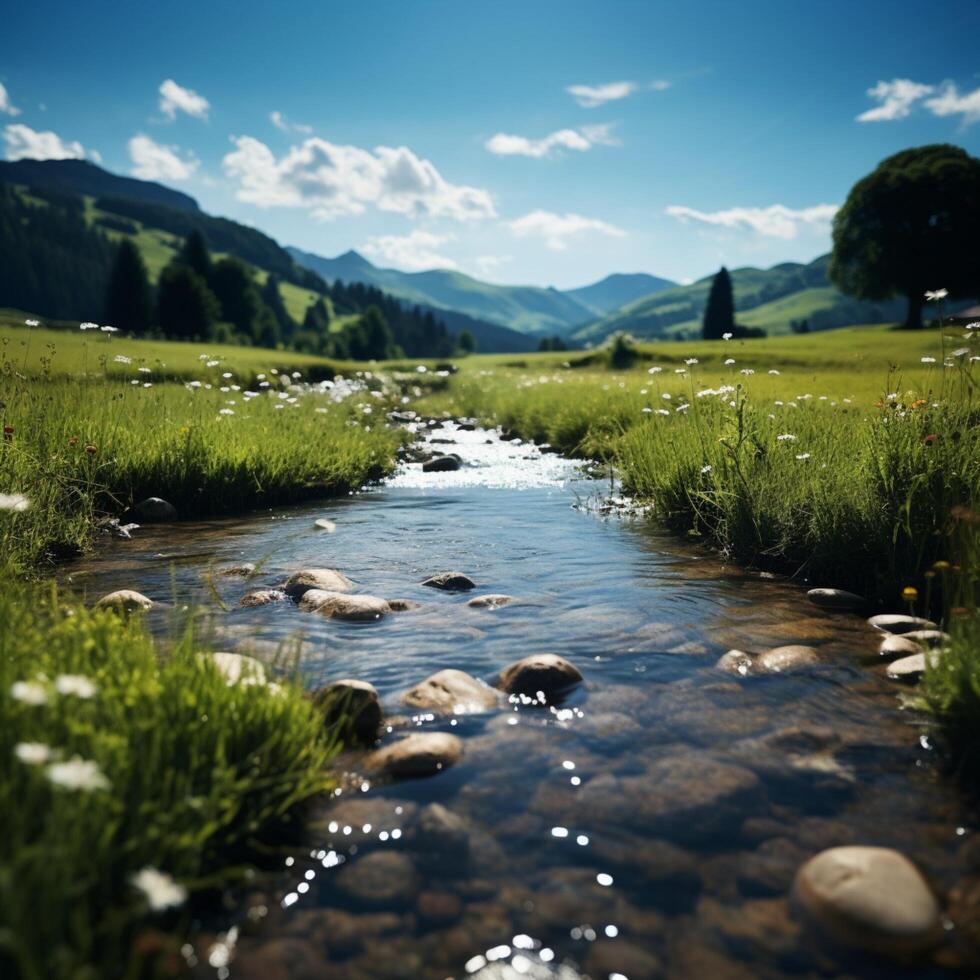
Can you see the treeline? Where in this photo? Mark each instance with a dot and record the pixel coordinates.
(54, 263)
(51, 261)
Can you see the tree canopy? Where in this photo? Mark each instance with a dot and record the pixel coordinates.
(911, 226)
(128, 298)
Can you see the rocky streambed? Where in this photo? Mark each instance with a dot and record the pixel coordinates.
(581, 749)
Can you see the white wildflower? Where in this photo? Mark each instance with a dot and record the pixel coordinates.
(144, 370)
(161, 890)
(802, 455)
(726, 336)
(961, 351)
(729, 360)
(654, 370)
(666, 396)
(706, 468)
(773, 371)
(748, 372)
(936, 294)
(76, 684)
(88, 326)
(230, 411)
(122, 359)
(15, 502)
(690, 360)
(662, 411)
(212, 363)
(29, 692)
(109, 329)
(227, 375)
(786, 437)
(32, 323)
(32, 753)
(928, 360)
(78, 774)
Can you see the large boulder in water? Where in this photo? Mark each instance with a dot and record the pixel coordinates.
(154, 510)
(337, 605)
(450, 582)
(316, 578)
(782, 659)
(868, 898)
(125, 600)
(452, 692)
(544, 672)
(353, 706)
(442, 464)
(416, 755)
(898, 623)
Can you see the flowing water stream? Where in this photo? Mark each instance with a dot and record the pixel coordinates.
(650, 825)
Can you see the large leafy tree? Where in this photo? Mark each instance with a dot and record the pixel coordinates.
(719, 314)
(128, 302)
(909, 226)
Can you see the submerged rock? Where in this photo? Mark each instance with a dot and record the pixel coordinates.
(453, 692)
(353, 706)
(416, 755)
(450, 582)
(442, 464)
(443, 832)
(154, 510)
(782, 659)
(262, 597)
(125, 600)
(897, 623)
(544, 672)
(491, 601)
(382, 879)
(337, 605)
(245, 570)
(403, 605)
(735, 662)
(868, 898)
(316, 578)
(835, 599)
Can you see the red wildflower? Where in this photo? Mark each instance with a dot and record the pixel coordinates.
(931, 440)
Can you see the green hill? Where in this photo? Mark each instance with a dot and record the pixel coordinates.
(772, 299)
(617, 290)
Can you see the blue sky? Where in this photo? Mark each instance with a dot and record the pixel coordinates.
(522, 142)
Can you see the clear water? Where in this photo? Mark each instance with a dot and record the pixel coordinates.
(648, 826)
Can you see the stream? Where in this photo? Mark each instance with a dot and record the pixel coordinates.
(649, 825)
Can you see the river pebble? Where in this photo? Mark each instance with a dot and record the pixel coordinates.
(452, 692)
(450, 582)
(782, 659)
(416, 755)
(542, 672)
(316, 578)
(835, 599)
(897, 623)
(125, 600)
(337, 605)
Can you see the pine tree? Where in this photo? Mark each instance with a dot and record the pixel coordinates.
(195, 255)
(273, 299)
(719, 314)
(127, 302)
(186, 308)
(378, 343)
(467, 342)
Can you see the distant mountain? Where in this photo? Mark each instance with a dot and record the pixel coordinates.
(617, 290)
(768, 298)
(527, 309)
(82, 177)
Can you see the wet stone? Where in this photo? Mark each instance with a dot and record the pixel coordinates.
(381, 880)
(450, 582)
(442, 464)
(452, 692)
(782, 659)
(442, 832)
(125, 600)
(835, 599)
(896, 623)
(911, 669)
(316, 578)
(492, 601)
(262, 597)
(893, 646)
(416, 755)
(868, 898)
(930, 638)
(544, 672)
(288, 958)
(154, 510)
(236, 668)
(337, 605)
(735, 662)
(403, 605)
(438, 908)
(244, 570)
(353, 706)
(620, 958)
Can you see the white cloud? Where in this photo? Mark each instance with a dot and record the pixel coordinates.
(896, 99)
(660, 85)
(175, 98)
(556, 229)
(281, 122)
(506, 144)
(24, 143)
(949, 102)
(490, 265)
(413, 252)
(152, 161)
(6, 106)
(775, 221)
(331, 181)
(591, 96)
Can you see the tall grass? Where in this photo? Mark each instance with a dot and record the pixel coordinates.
(79, 449)
(184, 771)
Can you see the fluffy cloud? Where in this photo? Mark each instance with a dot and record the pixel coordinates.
(556, 229)
(490, 265)
(6, 106)
(591, 96)
(175, 98)
(152, 161)
(949, 102)
(895, 99)
(331, 181)
(775, 221)
(505, 144)
(24, 143)
(412, 252)
(281, 122)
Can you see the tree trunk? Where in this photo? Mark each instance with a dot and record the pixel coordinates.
(913, 319)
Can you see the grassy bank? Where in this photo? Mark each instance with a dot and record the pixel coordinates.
(128, 781)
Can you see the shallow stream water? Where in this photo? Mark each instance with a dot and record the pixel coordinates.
(650, 825)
